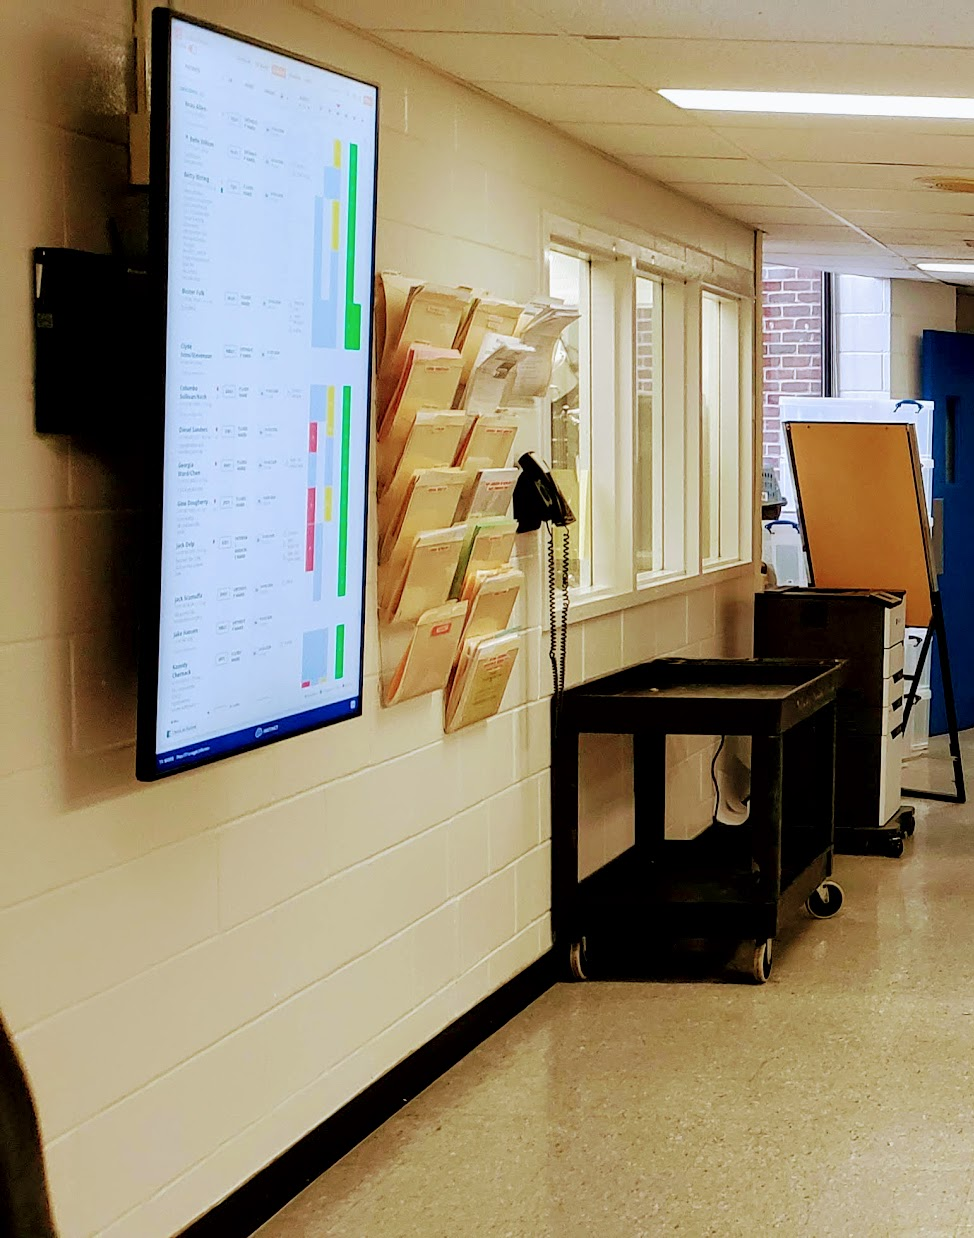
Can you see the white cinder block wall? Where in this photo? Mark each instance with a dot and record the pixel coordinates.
(915, 306)
(863, 336)
(880, 325)
(199, 972)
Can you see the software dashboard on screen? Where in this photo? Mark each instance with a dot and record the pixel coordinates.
(269, 200)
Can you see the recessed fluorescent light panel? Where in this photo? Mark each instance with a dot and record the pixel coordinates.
(914, 106)
(953, 268)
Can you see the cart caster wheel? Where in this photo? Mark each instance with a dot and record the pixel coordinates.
(909, 825)
(761, 967)
(896, 846)
(826, 901)
(577, 960)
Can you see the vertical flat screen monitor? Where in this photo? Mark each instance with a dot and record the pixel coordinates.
(262, 228)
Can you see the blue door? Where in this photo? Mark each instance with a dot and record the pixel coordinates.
(948, 380)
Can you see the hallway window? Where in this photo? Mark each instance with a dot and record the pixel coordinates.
(648, 478)
(569, 279)
(651, 419)
(723, 463)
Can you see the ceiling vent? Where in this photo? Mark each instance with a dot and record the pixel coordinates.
(947, 184)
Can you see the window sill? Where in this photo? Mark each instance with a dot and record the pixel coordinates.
(709, 569)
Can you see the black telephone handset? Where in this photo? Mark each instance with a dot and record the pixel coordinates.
(538, 501)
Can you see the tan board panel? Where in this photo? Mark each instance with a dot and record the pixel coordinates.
(860, 490)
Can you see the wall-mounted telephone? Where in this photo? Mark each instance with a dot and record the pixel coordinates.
(537, 501)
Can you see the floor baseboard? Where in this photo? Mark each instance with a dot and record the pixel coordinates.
(267, 1192)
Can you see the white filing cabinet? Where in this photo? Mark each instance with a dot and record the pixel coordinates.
(917, 737)
(894, 699)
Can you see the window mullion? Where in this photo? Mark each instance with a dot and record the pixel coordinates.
(730, 431)
(663, 493)
(611, 425)
(692, 424)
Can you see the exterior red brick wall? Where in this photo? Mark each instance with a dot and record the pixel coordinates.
(792, 344)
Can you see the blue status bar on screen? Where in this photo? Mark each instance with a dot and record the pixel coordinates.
(252, 736)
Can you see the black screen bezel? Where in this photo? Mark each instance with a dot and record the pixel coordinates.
(154, 437)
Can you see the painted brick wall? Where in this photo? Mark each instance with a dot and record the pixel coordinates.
(200, 971)
(792, 343)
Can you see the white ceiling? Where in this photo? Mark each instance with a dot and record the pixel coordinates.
(836, 192)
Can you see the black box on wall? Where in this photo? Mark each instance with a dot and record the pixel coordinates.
(90, 337)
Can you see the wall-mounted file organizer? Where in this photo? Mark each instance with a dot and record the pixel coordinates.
(449, 361)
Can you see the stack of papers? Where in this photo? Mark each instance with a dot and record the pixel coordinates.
(391, 294)
(429, 502)
(492, 596)
(433, 442)
(489, 442)
(487, 493)
(426, 664)
(429, 381)
(481, 679)
(484, 315)
(426, 576)
(495, 365)
(487, 546)
(431, 315)
(541, 326)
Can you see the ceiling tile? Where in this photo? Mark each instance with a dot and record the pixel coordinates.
(651, 139)
(772, 216)
(900, 236)
(676, 168)
(922, 201)
(735, 64)
(863, 176)
(875, 222)
(501, 16)
(838, 21)
(584, 104)
(857, 262)
(849, 145)
(918, 253)
(845, 261)
(812, 233)
(894, 126)
(741, 195)
(530, 58)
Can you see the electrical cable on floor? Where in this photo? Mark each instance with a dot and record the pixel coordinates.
(713, 774)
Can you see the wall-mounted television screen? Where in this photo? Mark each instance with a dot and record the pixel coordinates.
(262, 235)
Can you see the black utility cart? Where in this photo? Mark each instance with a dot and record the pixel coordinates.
(730, 883)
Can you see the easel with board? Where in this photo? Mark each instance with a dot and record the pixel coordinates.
(859, 490)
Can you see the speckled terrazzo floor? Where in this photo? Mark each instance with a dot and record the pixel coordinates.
(836, 1100)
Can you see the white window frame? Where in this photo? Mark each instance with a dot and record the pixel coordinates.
(659, 486)
(616, 261)
(673, 473)
(735, 518)
(587, 404)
